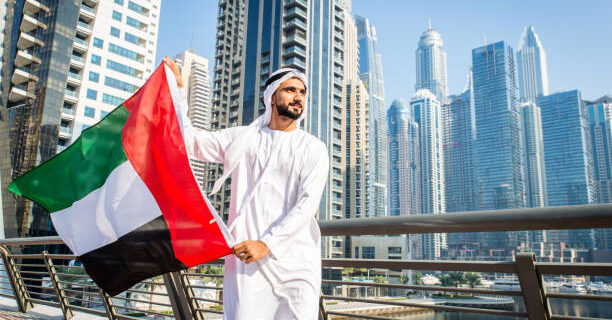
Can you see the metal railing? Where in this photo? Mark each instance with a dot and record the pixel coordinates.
(196, 293)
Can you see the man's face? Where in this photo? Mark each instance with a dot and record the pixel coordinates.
(289, 98)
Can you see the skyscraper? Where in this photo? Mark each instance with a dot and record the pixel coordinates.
(194, 70)
(404, 161)
(568, 158)
(65, 64)
(404, 169)
(426, 112)
(600, 129)
(535, 184)
(459, 136)
(600, 125)
(370, 72)
(499, 146)
(257, 38)
(117, 43)
(532, 69)
(431, 65)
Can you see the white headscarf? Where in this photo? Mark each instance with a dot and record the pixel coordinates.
(236, 150)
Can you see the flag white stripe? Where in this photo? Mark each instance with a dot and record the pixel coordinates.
(120, 206)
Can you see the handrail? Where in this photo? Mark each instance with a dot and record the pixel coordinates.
(548, 218)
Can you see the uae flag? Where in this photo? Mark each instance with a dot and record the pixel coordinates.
(124, 198)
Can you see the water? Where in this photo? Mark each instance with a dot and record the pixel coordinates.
(581, 308)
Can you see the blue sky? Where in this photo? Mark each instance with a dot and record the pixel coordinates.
(576, 35)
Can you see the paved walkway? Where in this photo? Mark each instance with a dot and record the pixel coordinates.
(9, 311)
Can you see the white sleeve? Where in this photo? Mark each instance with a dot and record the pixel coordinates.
(313, 177)
(201, 144)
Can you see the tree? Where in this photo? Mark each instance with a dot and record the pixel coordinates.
(456, 278)
(417, 278)
(472, 279)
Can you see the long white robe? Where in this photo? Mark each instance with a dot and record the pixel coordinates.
(275, 193)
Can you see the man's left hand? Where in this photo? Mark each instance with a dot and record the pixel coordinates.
(249, 251)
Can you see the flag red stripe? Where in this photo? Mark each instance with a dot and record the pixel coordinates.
(154, 145)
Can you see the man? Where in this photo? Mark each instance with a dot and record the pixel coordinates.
(278, 175)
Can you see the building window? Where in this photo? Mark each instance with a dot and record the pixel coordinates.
(395, 250)
(368, 253)
(103, 114)
(98, 43)
(96, 59)
(134, 23)
(112, 100)
(356, 253)
(124, 52)
(118, 84)
(94, 76)
(138, 8)
(132, 39)
(117, 15)
(90, 112)
(119, 67)
(115, 32)
(119, 2)
(85, 126)
(92, 94)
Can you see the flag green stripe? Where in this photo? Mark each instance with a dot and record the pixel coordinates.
(80, 169)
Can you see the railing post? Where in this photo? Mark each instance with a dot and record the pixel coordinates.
(194, 305)
(61, 294)
(322, 310)
(532, 287)
(108, 305)
(178, 298)
(21, 294)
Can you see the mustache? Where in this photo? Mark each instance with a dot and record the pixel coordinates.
(295, 104)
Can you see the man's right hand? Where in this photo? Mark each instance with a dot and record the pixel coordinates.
(175, 69)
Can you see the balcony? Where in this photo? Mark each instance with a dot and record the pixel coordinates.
(33, 7)
(293, 51)
(20, 92)
(80, 45)
(83, 28)
(295, 61)
(25, 57)
(65, 132)
(74, 78)
(295, 23)
(77, 61)
(296, 38)
(296, 11)
(30, 23)
(68, 114)
(71, 96)
(28, 40)
(293, 3)
(87, 13)
(21, 75)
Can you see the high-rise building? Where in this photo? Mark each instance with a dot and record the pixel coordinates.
(404, 161)
(459, 168)
(66, 64)
(532, 69)
(258, 37)
(194, 70)
(404, 169)
(431, 65)
(117, 50)
(499, 146)
(600, 125)
(370, 72)
(568, 159)
(426, 112)
(535, 182)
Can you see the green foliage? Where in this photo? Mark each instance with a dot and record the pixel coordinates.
(473, 279)
(417, 278)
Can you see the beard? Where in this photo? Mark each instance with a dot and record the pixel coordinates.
(284, 110)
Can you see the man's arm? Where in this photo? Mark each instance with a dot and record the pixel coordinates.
(201, 144)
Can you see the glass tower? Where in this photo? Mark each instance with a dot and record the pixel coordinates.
(532, 69)
(431, 65)
(498, 148)
(568, 159)
(370, 72)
